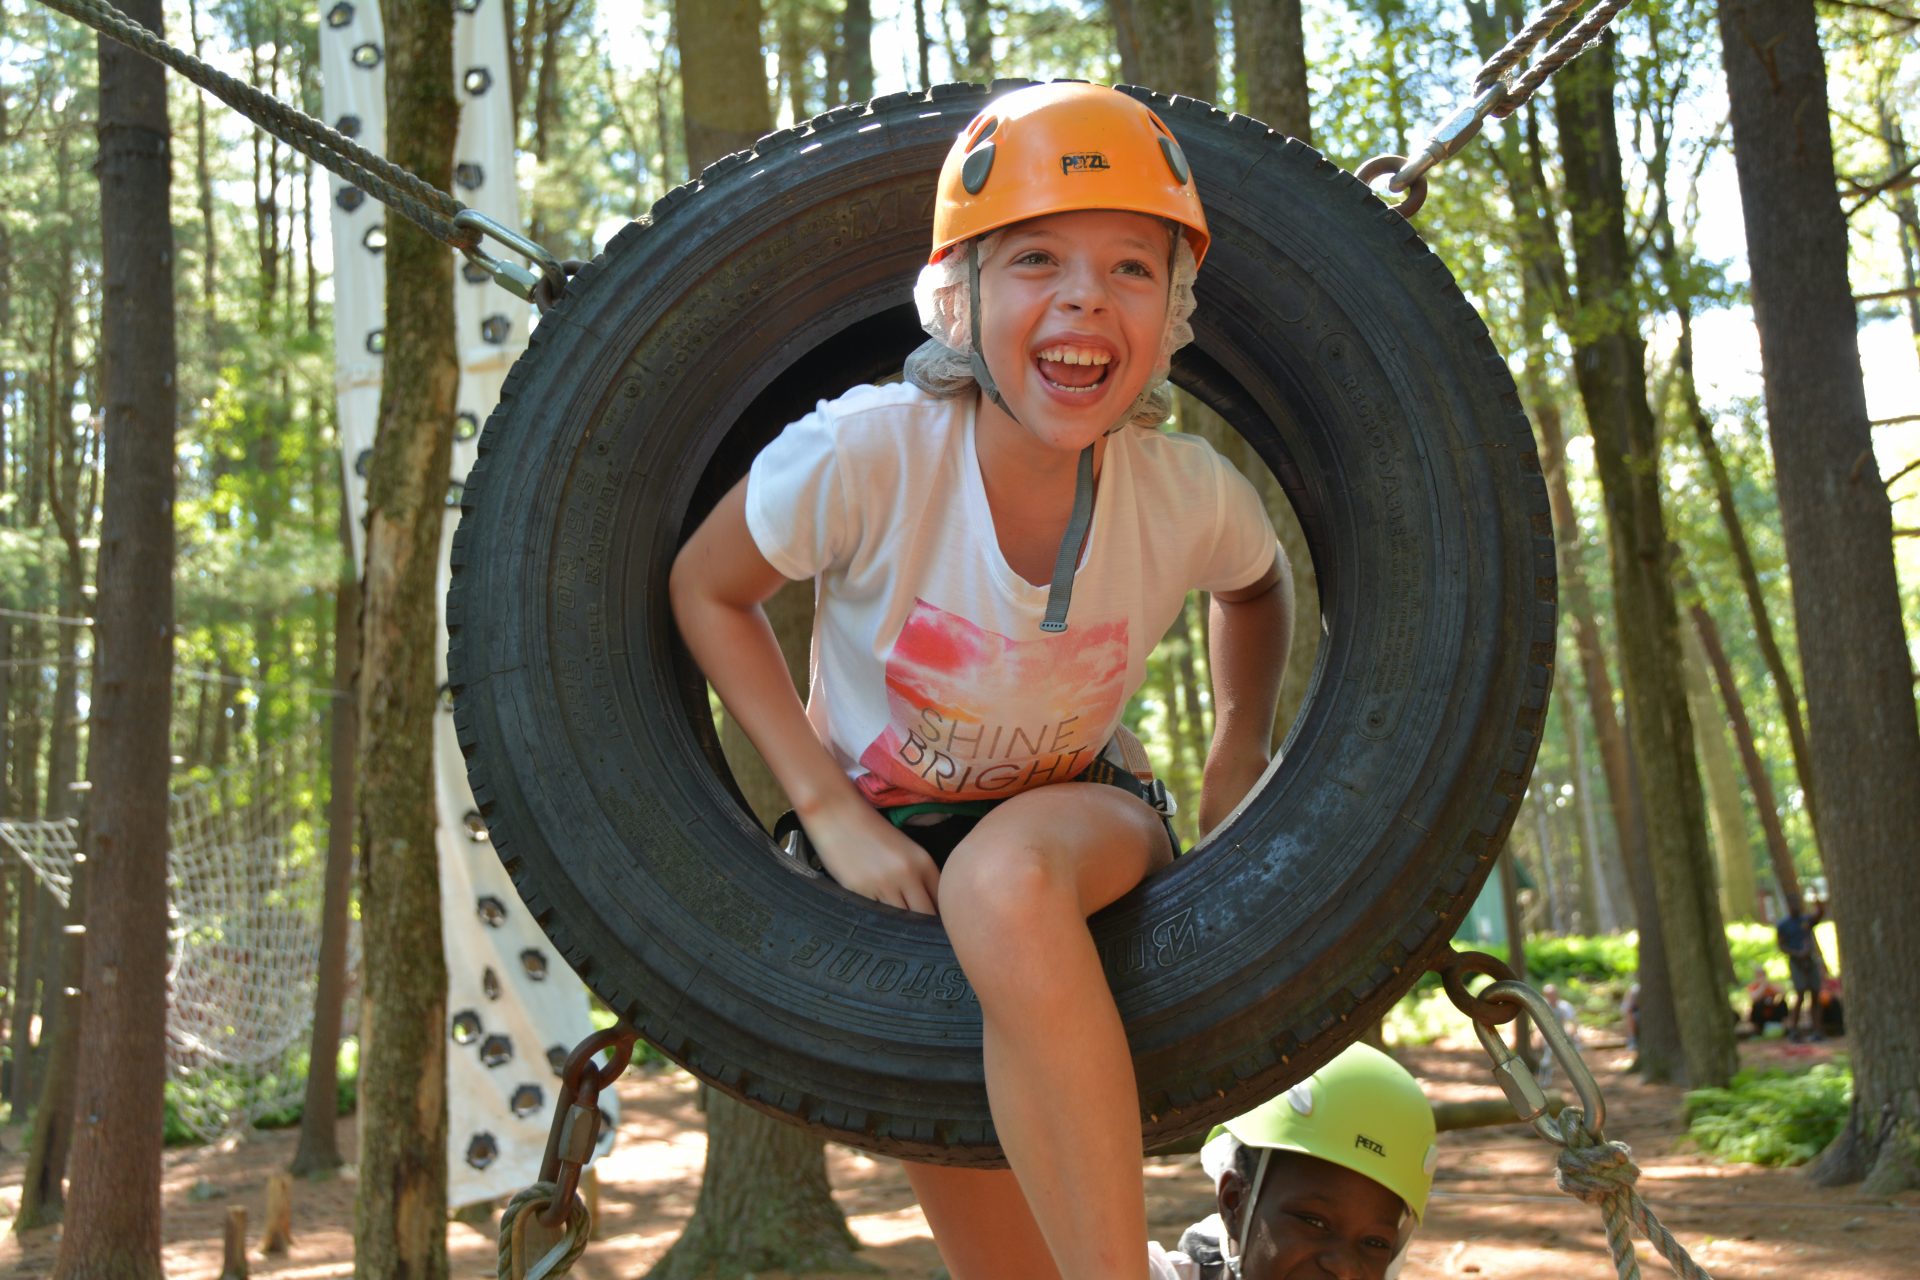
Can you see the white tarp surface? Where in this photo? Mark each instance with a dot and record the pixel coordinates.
(514, 1008)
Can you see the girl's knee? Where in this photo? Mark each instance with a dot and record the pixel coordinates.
(994, 888)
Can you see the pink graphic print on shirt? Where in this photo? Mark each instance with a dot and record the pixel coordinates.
(978, 716)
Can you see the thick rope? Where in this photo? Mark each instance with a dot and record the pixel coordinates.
(415, 199)
(560, 1259)
(1602, 1174)
(1561, 52)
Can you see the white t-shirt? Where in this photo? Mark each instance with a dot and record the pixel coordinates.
(931, 678)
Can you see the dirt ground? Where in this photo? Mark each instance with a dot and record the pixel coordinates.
(1495, 1211)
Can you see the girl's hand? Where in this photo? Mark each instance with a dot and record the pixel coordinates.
(867, 854)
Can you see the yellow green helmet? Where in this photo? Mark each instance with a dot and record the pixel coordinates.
(1361, 1111)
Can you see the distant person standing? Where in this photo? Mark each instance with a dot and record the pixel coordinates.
(1795, 937)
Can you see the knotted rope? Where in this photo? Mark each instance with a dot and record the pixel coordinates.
(558, 1260)
(1602, 1174)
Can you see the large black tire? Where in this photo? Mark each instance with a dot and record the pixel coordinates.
(1327, 334)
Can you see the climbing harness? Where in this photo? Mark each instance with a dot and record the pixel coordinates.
(1590, 1167)
(546, 1226)
(412, 197)
(1497, 92)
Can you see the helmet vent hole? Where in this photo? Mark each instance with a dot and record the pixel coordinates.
(974, 171)
(982, 131)
(1176, 160)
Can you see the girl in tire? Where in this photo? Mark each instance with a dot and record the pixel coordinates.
(996, 546)
(1329, 1179)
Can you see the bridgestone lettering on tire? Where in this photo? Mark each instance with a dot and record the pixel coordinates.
(1327, 334)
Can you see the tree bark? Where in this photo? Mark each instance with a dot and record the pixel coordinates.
(1610, 363)
(856, 42)
(1838, 523)
(1270, 65)
(113, 1215)
(1168, 45)
(1759, 781)
(1600, 914)
(977, 22)
(401, 1208)
(723, 78)
(43, 1197)
(1738, 893)
(319, 1150)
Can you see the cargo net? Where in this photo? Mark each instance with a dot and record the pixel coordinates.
(246, 856)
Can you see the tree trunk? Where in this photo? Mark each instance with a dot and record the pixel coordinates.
(1838, 524)
(977, 19)
(50, 1139)
(856, 42)
(1270, 65)
(1168, 45)
(1610, 362)
(1759, 781)
(1675, 279)
(1598, 914)
(764, 1200)
(113, 1216)
(723, 78)
(1630, 871)
(319, 1150)
(23, 998)
(1738, 893)
(401, 1208)
(923, 43)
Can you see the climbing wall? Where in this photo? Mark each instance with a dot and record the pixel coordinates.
(514, 1010)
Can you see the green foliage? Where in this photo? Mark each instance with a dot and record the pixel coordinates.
(200, 1091)
(1772, 1117)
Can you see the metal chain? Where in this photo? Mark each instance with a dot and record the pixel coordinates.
(1496, 93)
(419, 201)
(1590, 1167)
(563, 1218)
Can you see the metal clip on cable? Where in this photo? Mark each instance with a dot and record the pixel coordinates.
(1516, 1080)
(515, 279)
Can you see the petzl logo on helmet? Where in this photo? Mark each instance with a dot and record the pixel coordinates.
(1362, 1140)
(1083, 162)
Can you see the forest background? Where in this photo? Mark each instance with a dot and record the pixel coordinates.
(611, 107)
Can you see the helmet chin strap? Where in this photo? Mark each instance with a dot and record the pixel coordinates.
(1060, 590)
(1238, 1239)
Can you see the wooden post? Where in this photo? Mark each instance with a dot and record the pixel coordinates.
(277, 1232)
(233, 1262)
(590, 1192)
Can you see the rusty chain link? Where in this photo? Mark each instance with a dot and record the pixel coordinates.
(562, 1224)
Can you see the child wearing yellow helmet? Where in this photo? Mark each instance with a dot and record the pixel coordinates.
(1329, 1179)
(954, 526)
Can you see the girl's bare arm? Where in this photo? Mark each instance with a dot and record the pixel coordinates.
(1250, 631)
(718, 583)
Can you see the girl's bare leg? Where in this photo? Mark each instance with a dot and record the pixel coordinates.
(981, 1223)
(1015, 897)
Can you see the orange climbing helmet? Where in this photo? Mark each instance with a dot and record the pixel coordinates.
(1061, 148)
